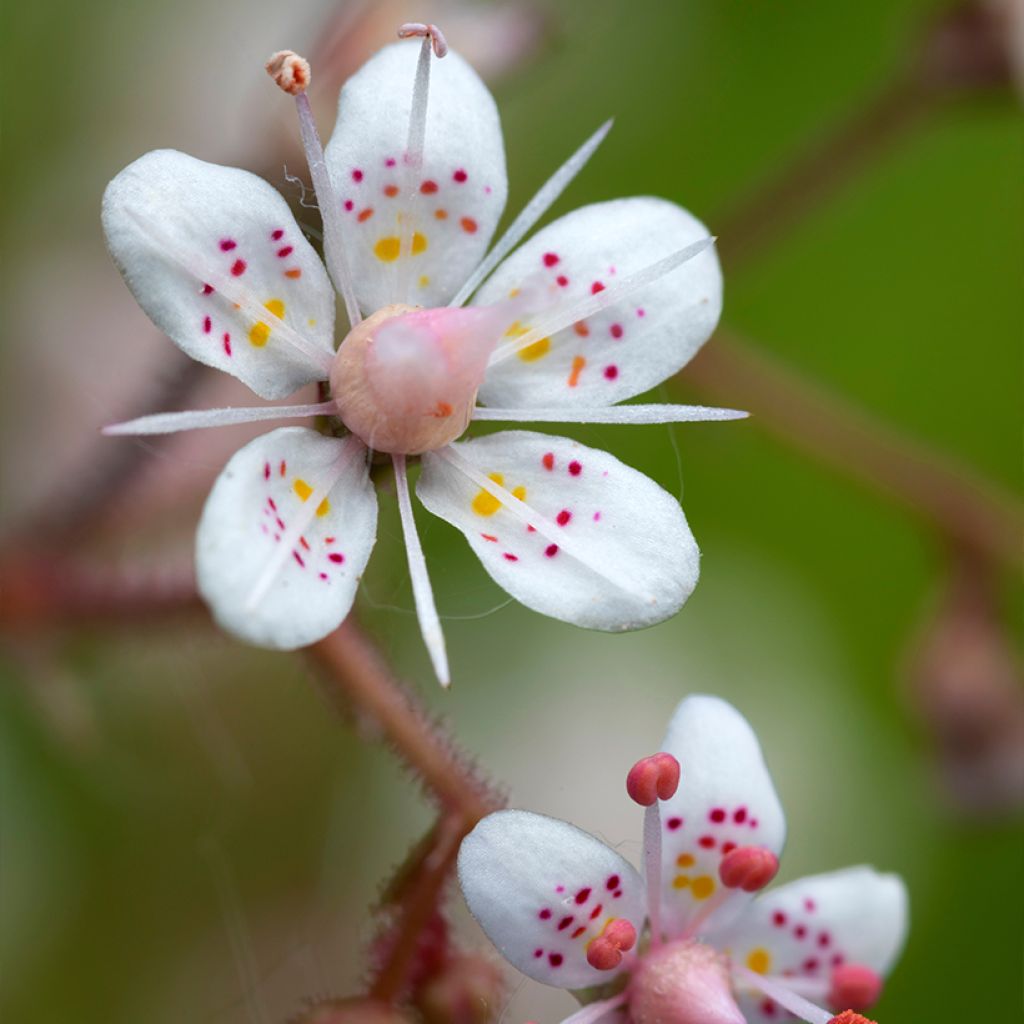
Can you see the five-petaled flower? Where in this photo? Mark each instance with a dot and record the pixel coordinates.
(598, 307)
(569, 911)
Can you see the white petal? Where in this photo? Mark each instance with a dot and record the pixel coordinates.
(629, 347)
(725, 799)
(215, 258)
(589, 540)
(270, 487)
(459, 192)
(808, 927)
(542, 889)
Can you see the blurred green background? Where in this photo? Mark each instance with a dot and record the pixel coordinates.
(188, 831)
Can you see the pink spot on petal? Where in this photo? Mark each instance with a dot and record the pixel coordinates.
(357, 175)
(207, 289)
(227, 344)
(641, 312)
(286, 251)
(613, 882)
(779, 919)
(349, 205)
(597, 517)
(545, 914)
(207, 325)
(509, 557)
(563, 517)
(277, 234)
(336, 557)
(266, 471)
(575, 468)
(583, 895)
(550, 259)
(538, 953)
(238, 268)
(298, 558)
(565, 922)
(227, 245)
(740, 815)
(460, 176)
(708, 842)
(596, 287)
(551, 550)
(562, 280)
(717, 815)
(616, 330)
(390, 162)
(611, 372)
(555, 959)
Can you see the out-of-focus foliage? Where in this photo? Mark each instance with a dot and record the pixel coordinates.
(188, 834)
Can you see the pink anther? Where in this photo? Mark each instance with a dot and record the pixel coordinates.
(290, 71)
(849, 1017)
(748, 868)
(855, 985)
(653, 778)
(605, 952)
(417, 29)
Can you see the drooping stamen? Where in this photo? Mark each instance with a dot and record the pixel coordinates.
(566, 314)
(631, 414)
(778, 991)
(545, 527)
(749, 868)
(652, 779)
(350, 448)
(200, 419)
(605, 952)
(855, 986)
(422, 592)
(291, 73)
(433, 44)
(198, 267)
(595, 1011)
(532, 212)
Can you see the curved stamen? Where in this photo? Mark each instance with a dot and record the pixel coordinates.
(532, 212)
(291, 73)
(200, 419)
(430, 33)
(633, 414)
(776, 990)
(566, 314)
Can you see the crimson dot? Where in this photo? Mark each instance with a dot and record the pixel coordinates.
(545, 914)
(357, 175)
(460, 176)
(227, 245)
(349, 205)
(548, 460)
(611, 372)
(565, 922)
(563, 517)
(583, 895)
(707, 842)
(728, 847)
(428, 187)
(778, 918)
(555, 959)
(717, 815)
(277, 234)
(538, 953)
(336, 557)
(616, 330)
(551, 550)
(674, 823)
(613, 882)
(238, 268)
(575, 468)
(740, 816)
(509, 557)
(550, 259)
(596, 287)
(562, 280)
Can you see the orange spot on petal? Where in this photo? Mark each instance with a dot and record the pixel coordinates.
(295, 273)
(468, 225)
(441, 214)
(581, 329)
(391, 190)
(577, 368)
(365, 215)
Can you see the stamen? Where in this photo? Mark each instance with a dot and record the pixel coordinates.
(801, 1008)
(433, 42)
(855, 985)
(291, 73)
(196, 265)
(545, 527)
(652, 779)
(200, 419)
(566, 314)
(605, 952)
(532, 212)
(630, 414)
(350, 447)
(422, 592)
(748, 868)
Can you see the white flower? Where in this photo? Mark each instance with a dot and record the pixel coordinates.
(598, 307)
(567, 910)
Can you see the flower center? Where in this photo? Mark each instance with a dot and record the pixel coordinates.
(405, 379)
(683, 982)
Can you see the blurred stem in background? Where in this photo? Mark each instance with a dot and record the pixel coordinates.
(961, 53)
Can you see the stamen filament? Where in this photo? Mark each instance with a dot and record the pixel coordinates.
(566, 314)
(203, 272)
(783, 995)
(200, 419)
(635, 414)
(422, 592)
(330, 210)
(652, 868)
(322, 488)
(532, 212)
(530, 517)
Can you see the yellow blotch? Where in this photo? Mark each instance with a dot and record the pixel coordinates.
(424, 281)
(516, 330)
(685, 860)
(485, 503)
(387, 249)
(703, 887)
(680, 882)
(519, 492)
(759, 961)
(419, 243)
(303, 490)
(259, 333)
(312, 323)
(538, 350)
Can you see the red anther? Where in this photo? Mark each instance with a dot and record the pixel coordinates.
(748, 868)
(855, 985)
(653, 778)
(605, 952)
(417, 29)
(849, 1017)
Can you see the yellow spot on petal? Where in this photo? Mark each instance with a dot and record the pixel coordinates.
(419, 243)
(424, 281)
(276, 306)
(302, 489)
(387, 249)
(519, 492)
(312, 323)
(680, 882)
(323, 508)
(538, 350)
(703, 887)
(485, 503)
(259, 333)
(516, 330)
(512, 294)
(759, 961)
(685, 860)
